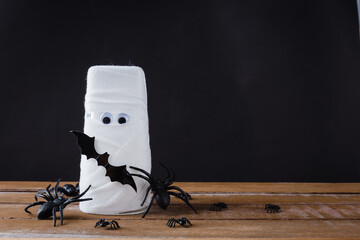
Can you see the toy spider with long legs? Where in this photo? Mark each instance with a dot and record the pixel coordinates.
(161, 189)
(55, 203)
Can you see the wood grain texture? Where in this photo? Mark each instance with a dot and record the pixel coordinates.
(144, 228)
(238, 198)
(311, 211)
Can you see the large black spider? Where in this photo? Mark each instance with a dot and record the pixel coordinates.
(218, 206)
(55, 203)
(68, 189)
(182, 222)
(272, 208)
(160, 189)
(103, 223)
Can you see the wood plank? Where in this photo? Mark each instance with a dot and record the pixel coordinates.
(237, 198)
(234, 212)
(220, 187)
(146, 228)
(110, 238)
(315, 210)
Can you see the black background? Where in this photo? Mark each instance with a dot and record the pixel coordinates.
(237, 90)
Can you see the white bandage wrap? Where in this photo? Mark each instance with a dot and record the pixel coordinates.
(116, 91)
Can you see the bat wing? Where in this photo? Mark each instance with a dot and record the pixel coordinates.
(87, 145)
(120, 174)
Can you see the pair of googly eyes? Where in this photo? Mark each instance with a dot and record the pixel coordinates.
(121, 118)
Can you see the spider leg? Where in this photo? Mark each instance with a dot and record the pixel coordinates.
(188, 221)
(54, 216)
(48, 192)
(41, 192)
(116, 224)
(183, 194)
(147, 192)
(184, 197)
(41, 195)
(179, 195)
(151, 202)
(75, 200)
(169, 222)
(56, 188)
(82, 194)
(97, 223)
(188, 196)
(33, 204)
(61, 214)
(171, 180)
(141, 176)
(111, 226)
(171, 175)
(184, 200)
(168, 172)
(143, 171)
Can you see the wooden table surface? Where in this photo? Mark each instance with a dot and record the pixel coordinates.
(308, 210)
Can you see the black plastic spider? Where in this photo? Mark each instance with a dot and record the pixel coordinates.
(218, 206)
(54, 203)
(182, 222)
(103, 223)
(272, 208)
(160, 189)
(68, 189)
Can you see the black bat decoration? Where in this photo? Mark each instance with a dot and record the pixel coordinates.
(87, 145)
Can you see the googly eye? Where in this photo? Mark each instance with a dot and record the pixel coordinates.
(122, 118)
(106, 118)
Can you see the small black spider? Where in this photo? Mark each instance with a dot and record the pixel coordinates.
(218, 206)
(182, 222)
(68, 189)
(103, 223)
(160, 189)
(55, 203)
(272, 208)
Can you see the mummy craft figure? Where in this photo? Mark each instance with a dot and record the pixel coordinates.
(115, 137)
